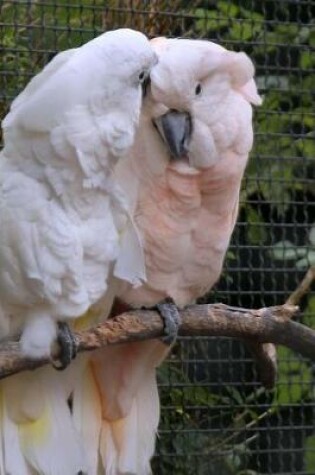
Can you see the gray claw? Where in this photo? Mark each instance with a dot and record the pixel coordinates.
(171, 319)
(68, 346)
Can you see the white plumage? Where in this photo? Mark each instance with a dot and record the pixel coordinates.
(61, 215)
(65, 231)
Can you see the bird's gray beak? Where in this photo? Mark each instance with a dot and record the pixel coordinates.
(175, 129)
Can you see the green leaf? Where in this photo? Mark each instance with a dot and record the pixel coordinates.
(287, 31)
(256, 230)
(286, 250)
(307, 261)
(294, 378)
(228, 9)
(307, 60)
(210, 20)
(240, 31)
(306, 146)
(273, 81)
(251, 15)
(303, 35)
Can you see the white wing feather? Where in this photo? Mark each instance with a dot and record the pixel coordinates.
(62, 223)
(52, 67)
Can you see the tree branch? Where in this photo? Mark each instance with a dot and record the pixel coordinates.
(265, 354)
(266, 325)
(303, 287)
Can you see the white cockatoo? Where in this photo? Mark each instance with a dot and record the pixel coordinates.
(65, 231)
(186, 168)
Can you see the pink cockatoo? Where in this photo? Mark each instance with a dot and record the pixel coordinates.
(183, 180)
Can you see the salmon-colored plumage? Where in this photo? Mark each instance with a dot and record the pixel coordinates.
(185, 211)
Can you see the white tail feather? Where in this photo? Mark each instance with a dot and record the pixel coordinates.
(87, 417)
(12, 459)
(124, 398)
(38, 433)
(108, 451)
(127, 444)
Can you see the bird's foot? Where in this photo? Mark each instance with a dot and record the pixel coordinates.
(68, 346)
(171, 319)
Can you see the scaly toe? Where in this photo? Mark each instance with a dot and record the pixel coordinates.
(68, 346)
(171, 318)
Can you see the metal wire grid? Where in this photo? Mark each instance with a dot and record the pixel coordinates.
(216, 419)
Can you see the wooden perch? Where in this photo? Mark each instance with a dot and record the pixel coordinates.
(266, 325)
(303, 287)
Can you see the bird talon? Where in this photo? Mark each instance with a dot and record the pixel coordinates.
(171, 319)
(68, 347)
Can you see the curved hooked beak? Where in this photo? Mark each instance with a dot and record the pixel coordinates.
(175, 128)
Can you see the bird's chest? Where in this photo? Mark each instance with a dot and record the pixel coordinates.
(168, 211)
(185, 236)
(172, 221)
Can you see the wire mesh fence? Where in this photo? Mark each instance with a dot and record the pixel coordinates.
(216, 418)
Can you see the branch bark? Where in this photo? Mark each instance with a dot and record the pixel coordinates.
(265, 325)
(303, 287)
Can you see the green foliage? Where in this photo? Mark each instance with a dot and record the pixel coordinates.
(188, 431)
(294, 383)
(302, 256)
(256, 229)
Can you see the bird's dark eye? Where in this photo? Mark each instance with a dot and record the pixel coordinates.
(198, 89)
(142, 76)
